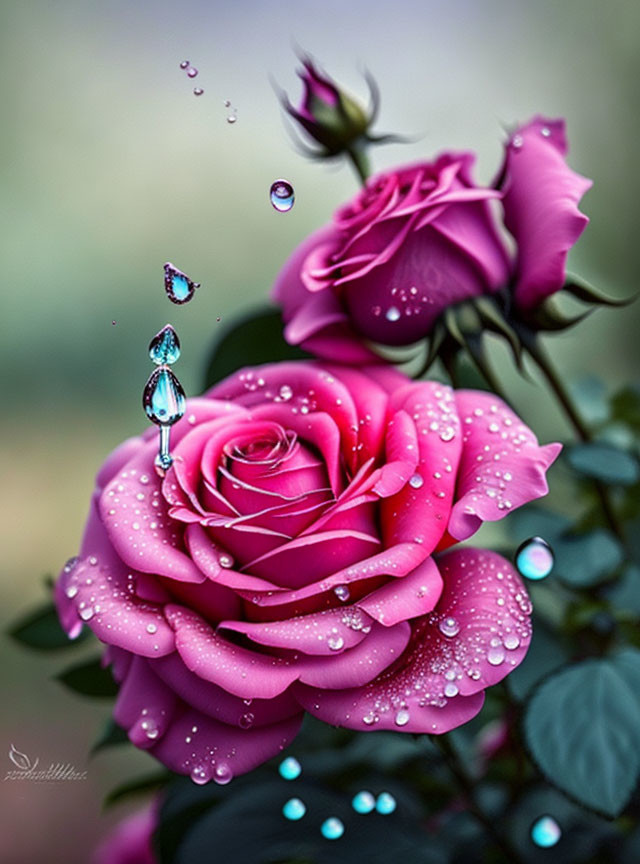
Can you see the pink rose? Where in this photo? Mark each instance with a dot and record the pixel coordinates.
(130, 841)
(287, 562)
(419, 239)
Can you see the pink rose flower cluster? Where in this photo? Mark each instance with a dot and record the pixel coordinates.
(299, 556)
(418, 239)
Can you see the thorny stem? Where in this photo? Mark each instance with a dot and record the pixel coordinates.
(512, 856)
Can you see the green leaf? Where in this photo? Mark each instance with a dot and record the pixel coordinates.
(582, 290)
(584, 560)
(546, 654)
(89, 679)
(604, 462)
(139, 786)
(535, 521)
(582, 728)
(253, 340)
(111, 735)
(41, 630)
(624, 594)
(625, 406)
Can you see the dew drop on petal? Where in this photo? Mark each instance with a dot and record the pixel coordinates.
(495, 655)
(385, 803)
(449, 627)
(342, 592)
(402, 717)
(416, 481)
(223, 774)
(335, 642)
(285, 392)
(290, 768)
(534, 558)
(294, 809)
(282, 195)
(392, 314)
(363, 802)
(332, 828)
(545, 832)
(200, 774)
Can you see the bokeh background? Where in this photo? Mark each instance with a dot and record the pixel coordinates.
(110, 166)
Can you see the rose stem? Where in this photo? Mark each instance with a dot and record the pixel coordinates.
(360, 162)
(466, 785)
(545, 364)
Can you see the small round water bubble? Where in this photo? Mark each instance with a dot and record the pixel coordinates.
(416, 481)
(180, 289)
(185, 64)
(363, 802)
(200, 774)
(385, 803)
(332, 828)
(342, 592)
(392, 314)
(534, 558)
(449, 627)
(545, 832)
(290, 768)
(198, 91)
(223, 774)
(282, 196)
(192, 71)
(294, 809)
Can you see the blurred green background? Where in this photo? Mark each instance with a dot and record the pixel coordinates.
(110, 166)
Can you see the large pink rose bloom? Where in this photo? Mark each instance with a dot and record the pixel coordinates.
(292, 559)
(424, 237)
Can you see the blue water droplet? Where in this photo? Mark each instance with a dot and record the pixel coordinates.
(363, 802)
(180, 289)
(385, 803)
(294, 809)
(332, 828)
(163, 398)
(290, 768)
(282, 195)
(164, 348)
(534, 558)
(545, 832)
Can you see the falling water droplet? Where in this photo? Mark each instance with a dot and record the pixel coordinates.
(342, 592)
(282, 195)
(290, 768)
(534, 558)
(201, 774)
(385, 803)
(180, 289)
(332, 828)
(449, 627)
(164, 348)
(416, 481)
(392, 314)
(198, 91)
(545, 832)
(363, 802)
(163, 398)
(294, 809)
(184, 64)
(192, 71)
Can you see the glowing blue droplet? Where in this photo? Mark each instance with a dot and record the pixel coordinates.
(545, 832)
(164, 348)
(534, 558)
(179, 288)
(385, 803)
(163, 398)
(332, 828)
(282, 195)
(290, 768)
(363, 802)
(294, 809)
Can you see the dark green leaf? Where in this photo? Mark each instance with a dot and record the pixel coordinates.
(139, 786)
(111, 735)
(41, 629)
(604, 462)
(255, 339)
(89, 679)
(582, 727)
(624, 594)
(546, 653)
(590, 396)
(534, 521)
(625, 406)
(582, 290)
(583, 560)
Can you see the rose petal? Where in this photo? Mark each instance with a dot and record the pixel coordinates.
(401, 599)
(502, 466)
(145, 707)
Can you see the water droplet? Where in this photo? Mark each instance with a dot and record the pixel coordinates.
(232, 118)
(294, 809)
(282, 195)
(416, 481)
(392, 313)
(184, 64)
(290, 768)
(385, 803)
(223, 774)
(335, 642)
(201, 774)
(545, 832)
(180, 289)
(150, 729)
(152, 628)
(164, 348)
(448, 433)
(450, 690)
(87, 613)
(163, 398)
(449, 627)
(71, 591)
(70, 564)
(192, 71)
(534, 558)
(495, 655)
(342, 592)
(225, 561)
(246, 721)
(332, 828)
(227, 103)
(402, 717)
(286, 392)
(517, 141)
(511, 641)
(545, 132)
(198, 91)
(363, 802)
(114, 323)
